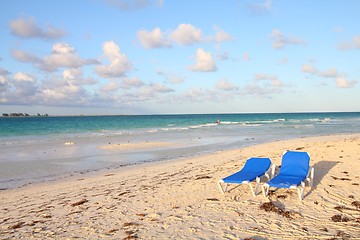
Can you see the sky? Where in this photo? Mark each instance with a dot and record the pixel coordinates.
(175, 57)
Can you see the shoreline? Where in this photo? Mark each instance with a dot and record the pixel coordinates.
(180, 199)
(33, 163)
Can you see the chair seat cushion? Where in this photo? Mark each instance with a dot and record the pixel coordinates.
(254, 167)
(240, 177)
(285, 181)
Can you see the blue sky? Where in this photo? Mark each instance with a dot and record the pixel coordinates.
(161, 56)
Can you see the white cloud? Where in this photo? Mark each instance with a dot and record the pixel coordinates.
(62, 48)
(172, 78)
(329, 73)
(134, 5)
(262, 76)
(54, 89)
(175, 79)
(184, 34)
(4, 75)
(350, 45)
(153, 39)
(119, 63)
(53, 95)
(263, 85)
(225, 91)
(64, 90)
(20, 76)
(62, 56)
(344, 46)
(205, 95)
(229, 92)
(193, 95)
(225, 85)
(260, 8)
(24, 85)
(309, 69)
(75, 75)
(280, 40)
(221, 35)
(111, 86)
(134, 82)
(340, 78)
(151, 92)
(342, 82)
(23, 56)
(187, 34)
(4, 84)
(27, 28)
(71, 74)
(356, 41)
(275, 82)
(125, 5)
(257, 89)
(204, 62)
(161, 88)
(66, 95)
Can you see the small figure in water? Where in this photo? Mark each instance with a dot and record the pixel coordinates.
(218, 122)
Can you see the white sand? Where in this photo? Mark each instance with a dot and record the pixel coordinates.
(181, 200)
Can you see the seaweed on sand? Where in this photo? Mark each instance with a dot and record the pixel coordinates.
(271, 207)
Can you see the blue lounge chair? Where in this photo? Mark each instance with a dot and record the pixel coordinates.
(294, 171)
(253, 169)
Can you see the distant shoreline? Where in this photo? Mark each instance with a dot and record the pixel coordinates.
(14, 115)
(23, 115)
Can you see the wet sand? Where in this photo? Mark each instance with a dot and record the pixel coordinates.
(181, 199)
(137, 146)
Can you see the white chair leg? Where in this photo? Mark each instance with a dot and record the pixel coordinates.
(265, 190)
(252, 190)
(301, 190)
(272, 170)
(257, 184)
(221, 189)
(312, 177)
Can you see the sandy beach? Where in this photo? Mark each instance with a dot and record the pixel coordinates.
(181, 200)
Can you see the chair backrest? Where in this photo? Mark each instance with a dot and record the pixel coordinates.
(257, 165)
(295, 163)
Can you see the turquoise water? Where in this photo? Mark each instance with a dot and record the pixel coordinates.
(102, 125)
(33, 150)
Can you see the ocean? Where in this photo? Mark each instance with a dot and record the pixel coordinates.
(33, 149)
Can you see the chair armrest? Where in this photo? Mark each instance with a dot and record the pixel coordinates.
(310, 176)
